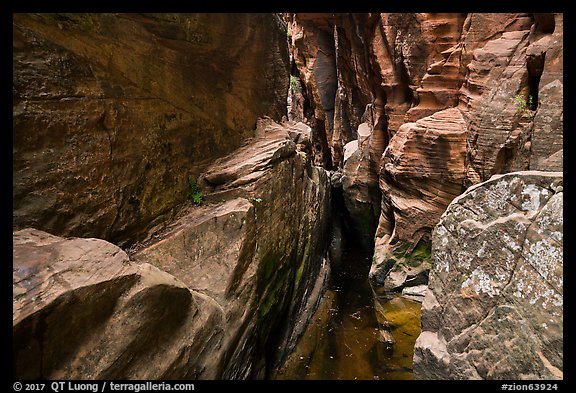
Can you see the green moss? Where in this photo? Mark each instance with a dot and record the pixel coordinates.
(523, 103)
(194, 193)
(270, 300)
(84, 21)
(407, 254)
(299, 274)
(305, 257)
(274, 286)
(423, 251)
(266, 269)
(400, 250)
(294, 84)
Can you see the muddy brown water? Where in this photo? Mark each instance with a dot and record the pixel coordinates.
(342, 340)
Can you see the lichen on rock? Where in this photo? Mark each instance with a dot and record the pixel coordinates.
(499, 315)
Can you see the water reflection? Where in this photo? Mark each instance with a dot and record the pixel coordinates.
(344, 340)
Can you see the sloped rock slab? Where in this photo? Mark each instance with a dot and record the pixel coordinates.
(82, 310)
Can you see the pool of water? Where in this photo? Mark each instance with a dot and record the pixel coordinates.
(343, 340)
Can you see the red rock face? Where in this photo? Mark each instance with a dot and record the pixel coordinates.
(508, 68)
(438, 88)
(329, 54)
(83, 310)
(113, 112)
(502, 71)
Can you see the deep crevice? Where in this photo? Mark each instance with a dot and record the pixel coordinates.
(545, 22)
(535, 65)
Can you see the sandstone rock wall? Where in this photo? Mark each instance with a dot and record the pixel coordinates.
(260, 254)
(407, 74)
(223, 292)
(422, 171)
(513, 95)
(494, 306)
(113, 112)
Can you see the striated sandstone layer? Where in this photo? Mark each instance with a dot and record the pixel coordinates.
(502, 71)
(422, 171)
(113, 112)
(223, 292)
(513, 93)
(494, 307)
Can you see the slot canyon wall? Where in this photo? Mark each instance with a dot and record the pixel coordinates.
(270, 115)
(113, 114)
(415, 108)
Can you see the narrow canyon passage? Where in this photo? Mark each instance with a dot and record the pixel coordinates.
(291, 196)
(344, 339)
(358, 332)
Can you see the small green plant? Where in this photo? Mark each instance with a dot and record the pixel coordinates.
(257, 200)
(523, 103)
(294, 84)
(194, 194)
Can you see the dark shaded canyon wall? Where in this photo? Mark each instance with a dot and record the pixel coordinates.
(342, 90)
(113, 112)
(222, 292)
(446, 106)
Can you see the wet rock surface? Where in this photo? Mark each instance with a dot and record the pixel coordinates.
(354, 335)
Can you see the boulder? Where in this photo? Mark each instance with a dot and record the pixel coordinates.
(360, 187)
(494, 306)
(415, 293)
(83, 310)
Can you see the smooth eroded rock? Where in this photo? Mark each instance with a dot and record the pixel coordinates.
(256, 247)
(422, 171)
(82, 310)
